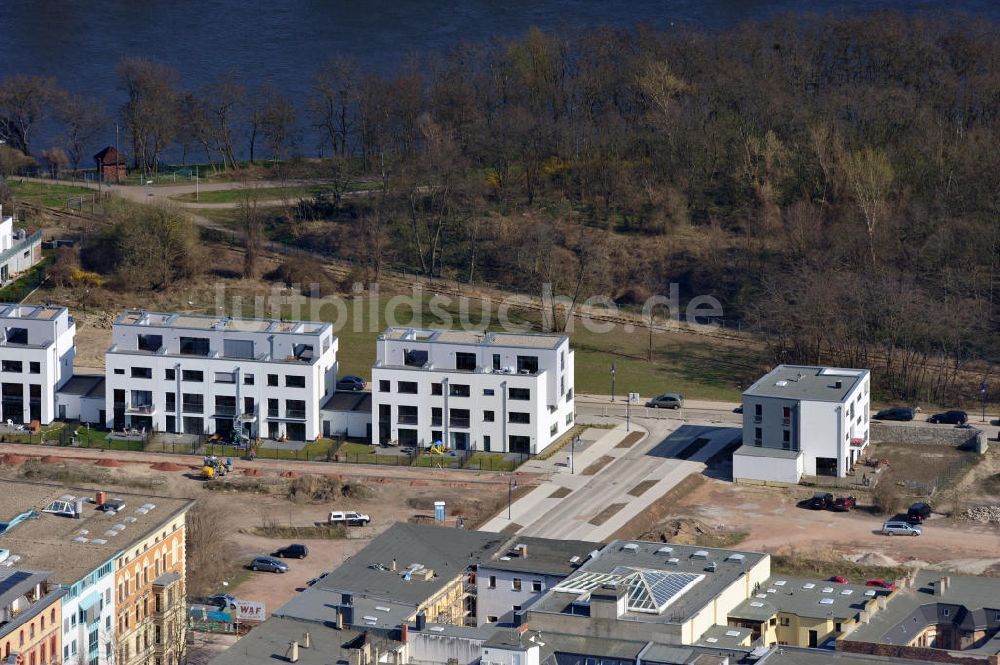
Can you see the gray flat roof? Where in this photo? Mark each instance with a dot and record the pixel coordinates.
(466, 337)
(446, 551)
(58, 543)
(730, 565)
(320, 605)
(178, 320)
(268, 643)
(764, 451)
(802, 656)
(36, 312)
(804, 382)
(346, 401)
(544, 556)
(806, 598)
(724, 637)
(84, 385)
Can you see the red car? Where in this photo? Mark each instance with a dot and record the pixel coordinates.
(842, 504)
(839, 579)
(881, 584)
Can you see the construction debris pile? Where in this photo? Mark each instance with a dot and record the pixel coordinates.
(984, 514)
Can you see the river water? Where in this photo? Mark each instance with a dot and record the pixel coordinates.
(80, 42)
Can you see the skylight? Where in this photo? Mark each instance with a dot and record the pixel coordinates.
(826, 601)
(648, 591)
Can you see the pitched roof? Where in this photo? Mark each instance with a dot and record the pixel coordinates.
(109, 155)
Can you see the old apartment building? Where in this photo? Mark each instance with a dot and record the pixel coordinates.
(498, 392)
(206, 375)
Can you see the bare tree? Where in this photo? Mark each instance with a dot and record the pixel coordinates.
(25, 102)
(151, 112)
(251, 219)
(56, 159)
(83, 119)
(333, 100)
(869, 175)
(277, 122)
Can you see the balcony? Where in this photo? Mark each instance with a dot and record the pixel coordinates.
(459, 422)
(295, 414)
(406, 419)
(225, 411)
(141, 409)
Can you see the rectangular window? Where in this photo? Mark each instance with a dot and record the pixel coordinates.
(238, 348)
(295, 408)
(14, 366)
(16, 335)
(496, 361)
(151, 343)
(486, 443)
(192, 375)
(786, 412)
(488, 392)
(142, 372)
(458, 390)
(169, 375)
(436, 389)
(406, 387)
(554, 429)
(414, 358)
(487, 416)
(406, 415)
(520, 417)
(786, 439)
(491, 619)
(225, 377)
(384, 386)
(569, 418)
(248, 379)
(436, 416)
(272, 408)
(519, 393)
(194, 346)
(225, 405)
(120, 371)
(171, 402)
(493, 582)
(785, 621)
(536, 586)
(527, 364)
(293, 381)
(272, 380)
(757, 436)
(515, 584)
(35, 367)
(458, 417)
(193, 403)
(465, 361)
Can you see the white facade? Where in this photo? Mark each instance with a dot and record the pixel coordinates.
(36, 358)
(18, 251)
(821, 412)
(502, 593)
(87, 611)
(497, 392)
(205, 375)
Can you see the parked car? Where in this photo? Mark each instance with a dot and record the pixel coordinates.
(900, 528)
(895, 413)
(222, 600)
(918, 512)
(738, 409)
(949, 418)
(842, 504)
(292, 552)
(268, 564)
(821, 501)
(666, 401)
(881, 584)
(351, 382)
(349, 518)
(839, 579)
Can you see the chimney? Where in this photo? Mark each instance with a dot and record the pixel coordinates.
(346, 616)
(421, 621)
(392, 566)
(339, 624)
(943, 584)
(524, 551)
(404, 633)
(293, 652)
(306, 641)
(608, 602)
(78, 509)
(838, 384)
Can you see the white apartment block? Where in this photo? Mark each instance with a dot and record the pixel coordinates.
(497, 392)
(800, 420)
(195, 374)
(18, 251)
(36, 359)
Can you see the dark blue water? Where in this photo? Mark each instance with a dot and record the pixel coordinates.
(80, 42)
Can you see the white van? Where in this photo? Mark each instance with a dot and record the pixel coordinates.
(349, 518)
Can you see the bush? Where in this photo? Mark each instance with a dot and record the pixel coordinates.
(886, 496)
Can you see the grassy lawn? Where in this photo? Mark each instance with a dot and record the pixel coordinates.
(19, 289)
(45, 194)
(490, 462)
(697, 366)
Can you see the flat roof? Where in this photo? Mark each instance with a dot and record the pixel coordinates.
(84, 385)
(208, 322)
(269, 643)
(544, 556)
(699, 585)
(765, 451)
(915, 607)
(446, 551)
(73, 548)
(466, 337)
(347, 401)
(37, 312)
(805, 597)
(731, 637)
(809, 383)
(783, 655)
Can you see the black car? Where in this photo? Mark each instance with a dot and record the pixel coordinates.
(351, 383)
(293, 552)
(950, 418)
(821, 501)
(918, 512)
(895, 413)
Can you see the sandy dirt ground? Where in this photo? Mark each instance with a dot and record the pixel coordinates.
(776, 525)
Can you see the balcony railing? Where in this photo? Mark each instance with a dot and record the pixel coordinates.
(225, 410)
(20, 245)
(273, 413)
(299, 414)
(145, 409)
(458, 422)
(406, 419)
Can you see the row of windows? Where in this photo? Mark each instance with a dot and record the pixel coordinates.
(454, 390)
(198, 376)
(516, 584)
(17, 366)
(409, 415)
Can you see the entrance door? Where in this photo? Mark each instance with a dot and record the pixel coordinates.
(460, 440)
(62, 412)
(813, 637)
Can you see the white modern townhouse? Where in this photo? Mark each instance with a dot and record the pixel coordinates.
(489, 391)
(800, 420)
(196, 374)
(18, 250)
(36, 359)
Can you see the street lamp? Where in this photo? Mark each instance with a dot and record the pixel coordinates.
(628, 403)
(148, 183)
(613, 372)
(572, 452)
(982, 391)
(511, 486)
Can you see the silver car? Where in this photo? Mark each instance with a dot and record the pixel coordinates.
(899, 528)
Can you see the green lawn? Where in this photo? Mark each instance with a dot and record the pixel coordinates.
(52, 195)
